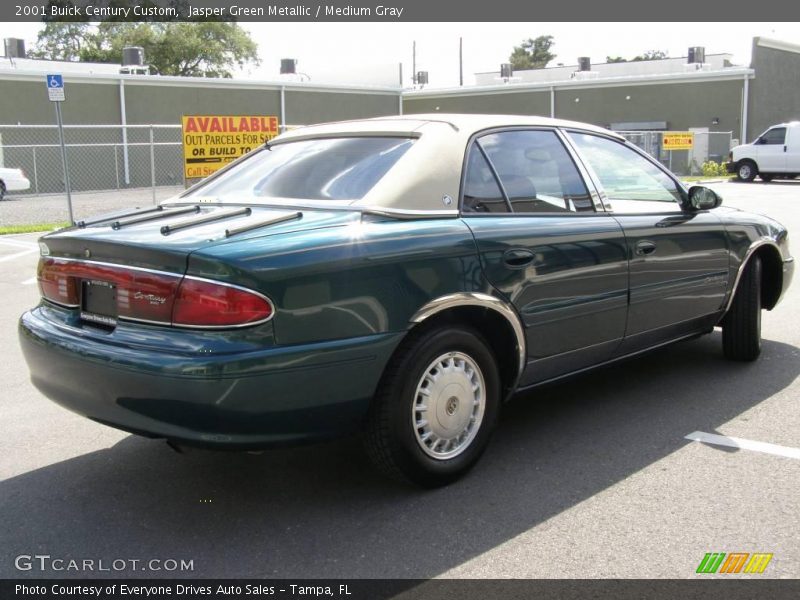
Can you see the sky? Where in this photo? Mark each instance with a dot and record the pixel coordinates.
(369, 53)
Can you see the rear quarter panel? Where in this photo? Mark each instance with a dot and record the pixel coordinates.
(367, 277)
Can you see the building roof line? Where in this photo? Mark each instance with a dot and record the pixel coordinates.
(729, 73)
(777, 44)
(627, 62)
(168, 80)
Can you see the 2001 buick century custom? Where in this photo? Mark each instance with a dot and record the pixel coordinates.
(401, 276)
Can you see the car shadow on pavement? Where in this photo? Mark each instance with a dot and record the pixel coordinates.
(321, 511)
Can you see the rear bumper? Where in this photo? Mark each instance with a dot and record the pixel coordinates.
(272, 396)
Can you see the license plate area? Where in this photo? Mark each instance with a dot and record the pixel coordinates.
(99, 302)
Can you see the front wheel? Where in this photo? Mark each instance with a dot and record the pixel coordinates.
(741, 327)
(746, 171)
(435, 408)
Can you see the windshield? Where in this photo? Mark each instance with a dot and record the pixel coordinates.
(321, 169)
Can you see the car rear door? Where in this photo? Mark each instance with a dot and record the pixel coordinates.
(678, 257)
(547, 248)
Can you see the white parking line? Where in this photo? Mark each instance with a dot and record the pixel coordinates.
(17, 243)
(30, 281)
(18, 254)
(734, 442)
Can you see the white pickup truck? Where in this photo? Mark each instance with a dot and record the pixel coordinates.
(775, 154)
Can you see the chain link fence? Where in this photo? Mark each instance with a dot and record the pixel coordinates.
(100, 157)
(707, 146)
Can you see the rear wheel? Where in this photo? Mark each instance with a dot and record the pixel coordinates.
(436, 407)
(746, 171)
(741, 327)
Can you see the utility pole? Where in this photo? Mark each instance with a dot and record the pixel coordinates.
(414, 63)
(461, 61)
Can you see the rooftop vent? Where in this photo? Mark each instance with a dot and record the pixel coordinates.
(288, 66)
(697, 54)
(132, 56)
(584, 63)
(422, 77)
(506, 71)
(15, 48)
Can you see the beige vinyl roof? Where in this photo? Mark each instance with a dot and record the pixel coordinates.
(412, 123)
(428, 176)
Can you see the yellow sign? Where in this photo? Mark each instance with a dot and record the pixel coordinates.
(212, 141)
(677, 140)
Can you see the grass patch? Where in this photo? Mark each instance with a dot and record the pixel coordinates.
(693, 178)
(7, 229)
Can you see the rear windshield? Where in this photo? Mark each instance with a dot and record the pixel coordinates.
(322, 169)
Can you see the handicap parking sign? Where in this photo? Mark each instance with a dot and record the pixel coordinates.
(55, 87)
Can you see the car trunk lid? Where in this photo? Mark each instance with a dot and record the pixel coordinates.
(132, 265)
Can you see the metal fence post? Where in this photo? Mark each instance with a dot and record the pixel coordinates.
(35, 173)
(116, 164)
(152, 165)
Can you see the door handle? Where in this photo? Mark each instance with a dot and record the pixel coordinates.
(645, 247)
(518, 257)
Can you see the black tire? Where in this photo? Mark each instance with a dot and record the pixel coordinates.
(746, 170)
(765, 177)
(2, 190)
(741, 327)
(391, 437)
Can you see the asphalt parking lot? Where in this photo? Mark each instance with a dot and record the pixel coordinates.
(25, 209)
(589, 478)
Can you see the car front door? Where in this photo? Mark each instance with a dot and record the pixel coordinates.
(678, 256)
(546, 247)
(771, 151)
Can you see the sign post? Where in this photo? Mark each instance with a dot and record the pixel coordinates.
(55, 93)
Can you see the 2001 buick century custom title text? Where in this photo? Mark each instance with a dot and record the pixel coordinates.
(401, 276)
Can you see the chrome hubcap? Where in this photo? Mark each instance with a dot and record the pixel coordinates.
(448, 405)
(744, 171)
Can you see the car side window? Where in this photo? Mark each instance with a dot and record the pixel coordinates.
(482, 193)
(775, 136)
(632, 183)
(536, 172)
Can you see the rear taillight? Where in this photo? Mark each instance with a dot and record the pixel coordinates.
(204, 303)
(153, 296)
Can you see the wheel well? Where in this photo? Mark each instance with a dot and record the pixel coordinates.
(771, 275)
(496, 331)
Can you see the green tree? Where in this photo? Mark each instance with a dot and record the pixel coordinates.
(61, 41)
(650, 55)
(190, 49)
(532, 53)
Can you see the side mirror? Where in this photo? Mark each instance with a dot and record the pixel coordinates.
(703, 198)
